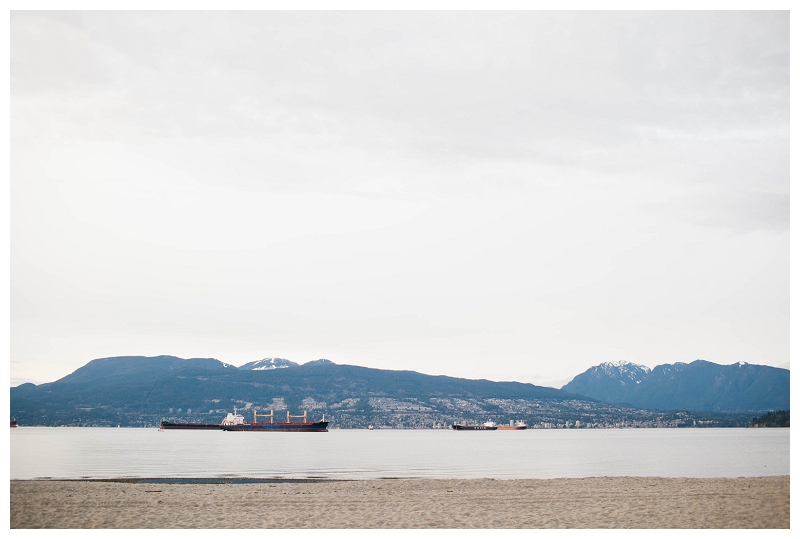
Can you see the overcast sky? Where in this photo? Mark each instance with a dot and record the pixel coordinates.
(507, 195)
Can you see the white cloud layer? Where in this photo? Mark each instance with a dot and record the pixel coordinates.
(508, 195)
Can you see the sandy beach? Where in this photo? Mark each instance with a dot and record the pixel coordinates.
(598, 502)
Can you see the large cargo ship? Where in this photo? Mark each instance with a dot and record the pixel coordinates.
(235, 422)
(489, 425)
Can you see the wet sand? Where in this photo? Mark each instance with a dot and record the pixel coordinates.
(596, 502)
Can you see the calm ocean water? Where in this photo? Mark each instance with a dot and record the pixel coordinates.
(42, 452)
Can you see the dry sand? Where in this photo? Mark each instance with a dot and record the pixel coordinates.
(597, 502)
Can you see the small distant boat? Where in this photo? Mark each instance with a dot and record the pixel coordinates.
(370, 427)
(13, 423)
(489, 425)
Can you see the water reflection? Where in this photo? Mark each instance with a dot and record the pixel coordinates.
(362, 454)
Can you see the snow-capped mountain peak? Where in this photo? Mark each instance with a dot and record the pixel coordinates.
(268, 364)
(623, 368)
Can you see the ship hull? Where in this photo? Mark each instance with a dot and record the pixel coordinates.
(190, 426)
(473, 427)
(319, 426)
(511, 428)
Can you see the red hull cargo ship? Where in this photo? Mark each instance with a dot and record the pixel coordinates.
(513, 425)
(236, 422)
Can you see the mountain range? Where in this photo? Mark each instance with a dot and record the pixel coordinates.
(140, 391)
(698, 386)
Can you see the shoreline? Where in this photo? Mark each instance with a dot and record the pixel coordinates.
(252, 503)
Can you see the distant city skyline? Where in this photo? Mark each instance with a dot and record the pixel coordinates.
(500, 195)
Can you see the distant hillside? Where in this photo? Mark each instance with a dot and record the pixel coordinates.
(140, 391)
(609, 382)
(772, 420)
(697, 386)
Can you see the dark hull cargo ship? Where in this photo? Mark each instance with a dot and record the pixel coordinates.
(190, 426)
(319, 426)
(489, 425)
(236, 422)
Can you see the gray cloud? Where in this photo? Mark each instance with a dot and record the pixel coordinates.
(445, 152)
